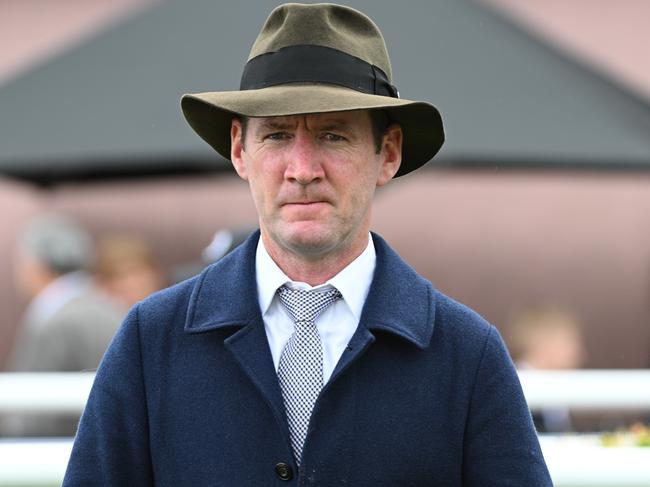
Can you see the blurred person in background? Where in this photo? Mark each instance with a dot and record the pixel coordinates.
(127, 269)
(223, 242)
(68, 322)
(547, 338)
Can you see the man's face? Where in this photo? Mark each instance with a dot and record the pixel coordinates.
(313, 177)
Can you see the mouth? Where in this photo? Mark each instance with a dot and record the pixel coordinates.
(305, 203)
(309, 206)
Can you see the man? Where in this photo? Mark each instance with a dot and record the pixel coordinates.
(68, 324)
(311, 355)
(547, 337)
(127, 269)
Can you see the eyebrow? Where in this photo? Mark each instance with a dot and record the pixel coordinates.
(275, 124)
(280, 124)
(334, 125)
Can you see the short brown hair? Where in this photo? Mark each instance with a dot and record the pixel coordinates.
(118, 251)
(528, 323)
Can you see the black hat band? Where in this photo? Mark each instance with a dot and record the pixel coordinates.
(315, 64)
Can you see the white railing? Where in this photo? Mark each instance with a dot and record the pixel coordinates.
(582, 461)
(587, 389)
(572, 461)
(578, 461)
(34, 463)
(47, 392)
(580, 389)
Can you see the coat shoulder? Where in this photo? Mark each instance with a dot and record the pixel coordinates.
(452, 312)
(461, 326)
(169, 306)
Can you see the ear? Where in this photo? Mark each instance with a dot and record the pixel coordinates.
(237, 151)
(391, 154)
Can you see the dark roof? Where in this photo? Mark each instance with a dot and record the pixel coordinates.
(111, 105)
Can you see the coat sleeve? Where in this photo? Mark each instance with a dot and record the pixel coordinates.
(112, 443)
(501, 445)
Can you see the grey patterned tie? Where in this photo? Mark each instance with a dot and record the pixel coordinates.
(301, 364)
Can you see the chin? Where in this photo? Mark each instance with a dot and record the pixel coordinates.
(311, 240)
(311, 244)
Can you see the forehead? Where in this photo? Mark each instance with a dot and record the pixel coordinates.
(353, 119)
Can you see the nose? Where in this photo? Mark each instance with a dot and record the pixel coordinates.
(304, 164)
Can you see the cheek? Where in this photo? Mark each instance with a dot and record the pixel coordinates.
(357, 190)
(264, 186)
(361, 179)
(257, 194)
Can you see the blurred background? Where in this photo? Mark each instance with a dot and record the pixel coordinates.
(536, 212)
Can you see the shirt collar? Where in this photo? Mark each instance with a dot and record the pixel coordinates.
(353, 282)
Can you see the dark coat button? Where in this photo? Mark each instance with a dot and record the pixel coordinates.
(284, 471)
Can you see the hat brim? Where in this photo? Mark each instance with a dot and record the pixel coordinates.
(210, 114)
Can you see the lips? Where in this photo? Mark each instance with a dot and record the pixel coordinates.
(306, 207)
(304, 201)
(305, 204)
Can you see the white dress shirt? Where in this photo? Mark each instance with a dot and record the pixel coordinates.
(335, 325)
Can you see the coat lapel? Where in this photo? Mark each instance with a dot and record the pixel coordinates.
(225, 297)
(250, 348)
(399, 302)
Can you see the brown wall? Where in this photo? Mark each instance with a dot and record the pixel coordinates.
(492, 240)
(495, 240)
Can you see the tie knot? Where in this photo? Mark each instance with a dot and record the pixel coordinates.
(305, 306)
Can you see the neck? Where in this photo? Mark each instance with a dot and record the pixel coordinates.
(314, 270)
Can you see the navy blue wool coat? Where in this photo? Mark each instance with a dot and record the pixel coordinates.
(424, 395)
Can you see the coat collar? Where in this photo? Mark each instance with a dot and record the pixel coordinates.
(399, 302)
(225, 293)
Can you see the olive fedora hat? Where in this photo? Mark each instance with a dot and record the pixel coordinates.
(311, 59)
